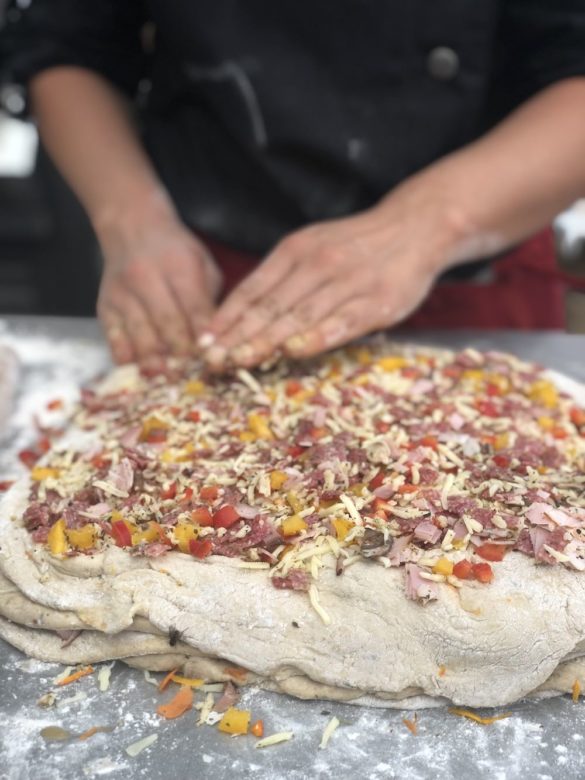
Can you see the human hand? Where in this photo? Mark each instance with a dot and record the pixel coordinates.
(158, 287)
(334, 281)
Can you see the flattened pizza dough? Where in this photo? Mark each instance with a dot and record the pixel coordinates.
(475, 644)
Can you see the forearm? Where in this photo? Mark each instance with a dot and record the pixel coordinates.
(86, 127)
(514, 180)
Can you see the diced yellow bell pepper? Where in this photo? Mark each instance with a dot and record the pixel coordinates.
(334, 368)
(302, 395)
(473, 375)
(293, 525)
(235, 721)
(500, 381)
(544, 392)
(152, 423)
(247, 436)
(40, 473)
(443, 566)
(363, 356)
(501, 441)
(277, 479)
(194, 387)
(361, 379)
(294, 501)
(546, 423)
(342, 527)
(184, 533)
(148, 534)
(56, 539)
(357, 489)
(258, 425)
(82, 538)
(392, 362)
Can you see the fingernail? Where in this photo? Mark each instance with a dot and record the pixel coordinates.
(206, 340)
(242, 354)
(295, 343)
(216, 354)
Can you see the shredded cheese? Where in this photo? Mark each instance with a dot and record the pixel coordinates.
(314, 599)
(103, 676)
(328, 732)
(137, 747)
(274, 739)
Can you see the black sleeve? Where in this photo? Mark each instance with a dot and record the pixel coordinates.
(102, 35)
(538, 43)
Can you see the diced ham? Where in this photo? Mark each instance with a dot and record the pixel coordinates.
(98, 510)
(155, 549)
(544, 514)
(428, 475)
(229, 698)
(427, 532)
(541, 537)
(246, 511)
(400, 552)
(384, 491)
(460, 530)
(421, 387)
(40, 534)
(131, 437)
(417, 588)
(456, 421)
(121, 476)
(35, 515)
(461, 505)
(296, 579)
(524, 542)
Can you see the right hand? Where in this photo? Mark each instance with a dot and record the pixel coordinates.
(158, 288)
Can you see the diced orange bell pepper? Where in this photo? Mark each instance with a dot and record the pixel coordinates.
(178, 705)
(293, 525)
(185, 533)
(56, 538)
(277, 479)
(83, 538)
(342, 527)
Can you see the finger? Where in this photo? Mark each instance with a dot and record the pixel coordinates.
(163, 311)
(304, 281)
(118, 340)
(254, 287)
(354, 319)
(306, 314)
(191, 289)
(137, 324)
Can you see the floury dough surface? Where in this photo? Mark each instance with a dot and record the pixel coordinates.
(477, 646)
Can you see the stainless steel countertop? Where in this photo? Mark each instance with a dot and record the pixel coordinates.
(540, 740)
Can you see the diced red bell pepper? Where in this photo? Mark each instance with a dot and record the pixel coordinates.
(452, 371)
(429, 441)
(491, 552)
(194, 416)
(6, 485)
(578, 416)
(156, 436)
(100, 462)
(44, 444)
(559, 433)
(487, 408)
(225, 517)
(28, 457)
(410, 372)
(502, 461)
(295, 450)
(482, 572)
(318, 433)
(187, 496)
(381, 426)
(492, 389)
(292, 387)
(408, 488)
(377, 481)
(462, 569)
(169, 492)
(202, 516)
(121, 534)
(56, 403)
(200, 549)
(209, 492)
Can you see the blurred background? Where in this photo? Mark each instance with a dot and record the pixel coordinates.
(49, 261)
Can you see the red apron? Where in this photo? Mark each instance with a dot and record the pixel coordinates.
(526, 290)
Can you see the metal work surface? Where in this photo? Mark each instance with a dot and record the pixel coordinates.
(539, 740)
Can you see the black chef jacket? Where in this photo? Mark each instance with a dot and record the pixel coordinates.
(264, 115)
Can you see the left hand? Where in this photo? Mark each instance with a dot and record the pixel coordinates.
(332, 282)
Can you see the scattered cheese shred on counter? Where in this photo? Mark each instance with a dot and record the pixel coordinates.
(314, 599)
(328, 732)
(576, 691)
(137, 747)
(274, 739)
(104, 675)
(149, 678)
(65, 673)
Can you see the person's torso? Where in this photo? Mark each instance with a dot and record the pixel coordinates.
(265, 116)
